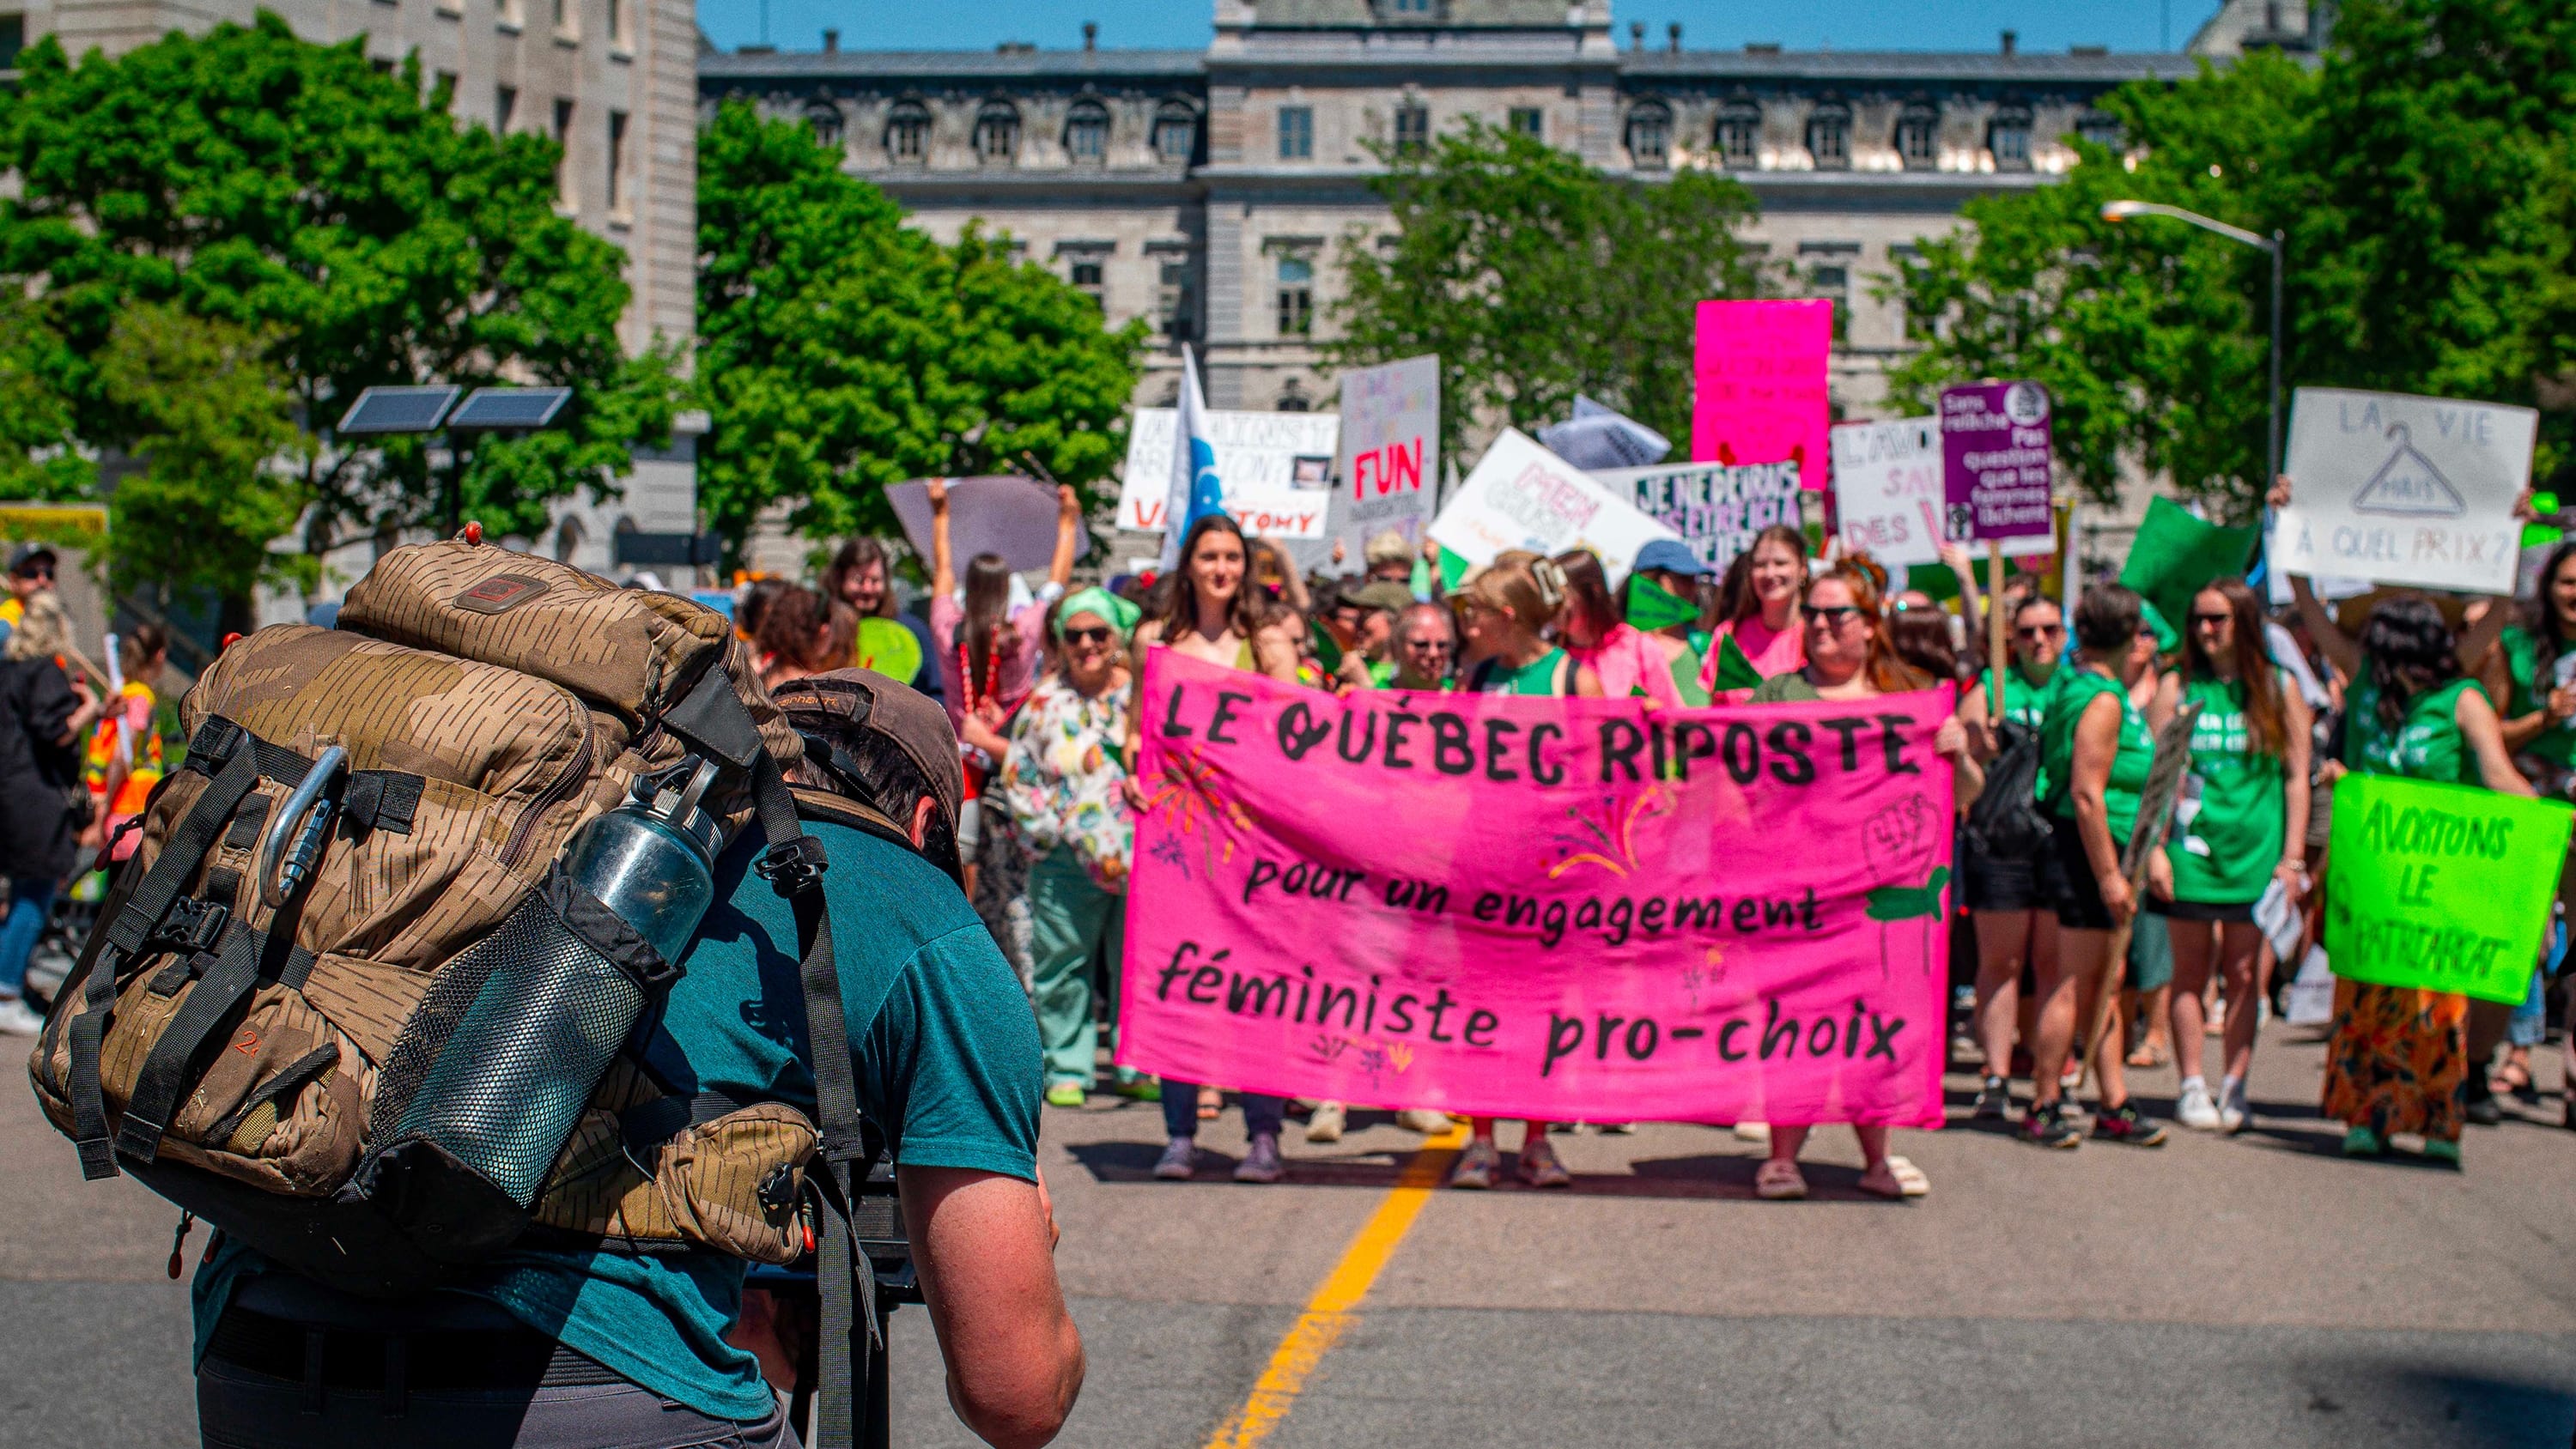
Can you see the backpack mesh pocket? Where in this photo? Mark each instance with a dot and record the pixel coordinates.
(493, 1070)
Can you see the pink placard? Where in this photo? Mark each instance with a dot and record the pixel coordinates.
(1554, 908)
(1761, 395)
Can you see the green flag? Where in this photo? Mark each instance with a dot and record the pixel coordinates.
(1328, 650)
(1453, 567)
(1651, 606)
(1734, 671)
(1686, 678)
(2176, 556)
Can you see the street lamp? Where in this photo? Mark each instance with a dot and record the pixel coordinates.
(2119, 211)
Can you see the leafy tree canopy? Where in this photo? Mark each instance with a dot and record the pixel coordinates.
(840, 351)
(295, 194)
(2424, 177)
(1536, 277)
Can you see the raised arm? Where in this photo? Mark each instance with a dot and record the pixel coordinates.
(2341, 650)
(2479, 639)
(1957, 559)
(1068, 519)
(2477, 721)
(943, 564)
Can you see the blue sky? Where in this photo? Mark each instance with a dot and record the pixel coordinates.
(1841, 24)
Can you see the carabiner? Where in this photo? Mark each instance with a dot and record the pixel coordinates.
(284, 873)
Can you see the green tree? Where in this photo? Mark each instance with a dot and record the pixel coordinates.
(40, 456)
(840, 351)
(222, 459)
(1536, 277)
(292, 191)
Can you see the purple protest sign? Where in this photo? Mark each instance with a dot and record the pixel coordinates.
(1994, 461)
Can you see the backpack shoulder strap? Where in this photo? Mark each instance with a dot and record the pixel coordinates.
(1561, 683)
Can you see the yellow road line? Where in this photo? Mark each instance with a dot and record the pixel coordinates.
(1328, 1313)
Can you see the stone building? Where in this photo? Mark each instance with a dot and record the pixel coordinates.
(1209, 190)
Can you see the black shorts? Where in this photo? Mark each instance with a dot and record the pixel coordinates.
(1990, 882)
(2233, 913)
(2067, 873)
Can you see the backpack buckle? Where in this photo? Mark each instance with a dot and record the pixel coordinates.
(793, 867)
(192, 926)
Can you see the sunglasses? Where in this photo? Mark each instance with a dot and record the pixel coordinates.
(2040, 631)
(1428, 646)
(1099, 635)
(38, 571)
(1832, 615)
(2199, 619)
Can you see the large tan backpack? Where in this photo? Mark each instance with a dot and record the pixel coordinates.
(264, 1026)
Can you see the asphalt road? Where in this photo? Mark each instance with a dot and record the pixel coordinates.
(2256, 1291)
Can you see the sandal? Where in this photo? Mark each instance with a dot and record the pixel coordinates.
(1211, 1102)
(1903, 1180)
(1779, 1180)
(2514, 1078)
(2149, 1055)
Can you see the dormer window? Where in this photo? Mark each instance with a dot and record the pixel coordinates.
(1739, 135)
(997, 132)
(1918, 136)
(1650, 136)
(1829, 137)
(1086, 132)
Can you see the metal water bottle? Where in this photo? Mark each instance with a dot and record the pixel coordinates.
(652, 860)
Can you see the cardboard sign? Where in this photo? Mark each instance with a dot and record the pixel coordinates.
(1547, 908)
(1717, 510)
(1597, 438)
(1995, 461)
(1277, 469)
(2442, 887)
(1387, 472)
(1762, 395)
(1007, 515)
(2404, 490)
(1523, 496)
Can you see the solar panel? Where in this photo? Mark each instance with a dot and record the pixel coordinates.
(397, 410)
(510, 407)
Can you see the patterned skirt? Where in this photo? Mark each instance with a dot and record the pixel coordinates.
(2398, 1060)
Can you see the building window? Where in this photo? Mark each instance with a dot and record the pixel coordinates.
(824, 120)
(1175, 301)
(1413, 9)
(1650, 136)
(617, 22)
(505, 105)
(507, 13)
(442, 91)
(1528, 121)
(619, 201)
(2008, 137)
(1828, 268)
(997, 131)
(1918, 131)
(1086, 131)
(1176, 133)
(565, 15)
(1296, 296)
(565, 194)
(13, 39)
(2099, 127)
(1739, 135)
(1296, 133)
(1829, 138)
(1085, 274)
(1293, 399)
(1412, 129)
(907, 134)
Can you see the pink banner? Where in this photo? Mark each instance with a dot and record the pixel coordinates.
(1761, 395)
(1556, 908)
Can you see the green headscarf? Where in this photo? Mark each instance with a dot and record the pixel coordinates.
(1120, 614)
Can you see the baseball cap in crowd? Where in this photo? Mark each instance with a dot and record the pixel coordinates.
(22, 559)
(1392, 597)
(1389, 547)
(843, 704)
(1669, 556)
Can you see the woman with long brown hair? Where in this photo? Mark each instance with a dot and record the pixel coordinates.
(2240, 827)
(1208, 609)
(1766, 624)
(1627, 659)
(1850, 655)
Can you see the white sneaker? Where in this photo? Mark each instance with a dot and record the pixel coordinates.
(2194, 1109)
(17, 1020)
(1753, 1132)
(1425, 1120)
(2233, 1109)
(1326, 1124)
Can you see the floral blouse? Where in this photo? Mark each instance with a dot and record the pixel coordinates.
(1062, 778)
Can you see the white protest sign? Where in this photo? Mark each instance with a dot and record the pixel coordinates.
(1276, 468)
(1523, 496)
(1388, 466)
(1887, 493)
(2404, 490)
(1715, 508)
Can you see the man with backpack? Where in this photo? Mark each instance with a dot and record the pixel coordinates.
(596, 1308)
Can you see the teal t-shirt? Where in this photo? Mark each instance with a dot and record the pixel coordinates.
(947, 1062)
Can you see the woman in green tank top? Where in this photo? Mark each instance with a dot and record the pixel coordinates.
(2540, 677)
(1500, 613)
(2241, 825)
(2403, 1059)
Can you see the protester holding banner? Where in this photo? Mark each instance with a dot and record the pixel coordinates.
(1208, 608)
(2096, 748)
(2239, 833)
(859, 578)
(2015, 915)
(1063, 783)
(1501, 609)
(1765, 625)
(1849, 655)
(1627, 659)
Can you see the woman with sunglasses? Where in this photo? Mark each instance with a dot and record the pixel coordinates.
(2016, 922)
(2241, 825)
(1063, 783)
(1208, 609)
(1850, 656)
(2096, 747)
(1501, 610)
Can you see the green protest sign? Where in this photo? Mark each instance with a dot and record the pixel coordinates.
(2444, 887)
(1651, 606)
(2176, 556)
(1734, 671)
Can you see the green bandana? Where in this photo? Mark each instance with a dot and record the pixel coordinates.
(1114, 611)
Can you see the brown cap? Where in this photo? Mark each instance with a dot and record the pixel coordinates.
(846, 703)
